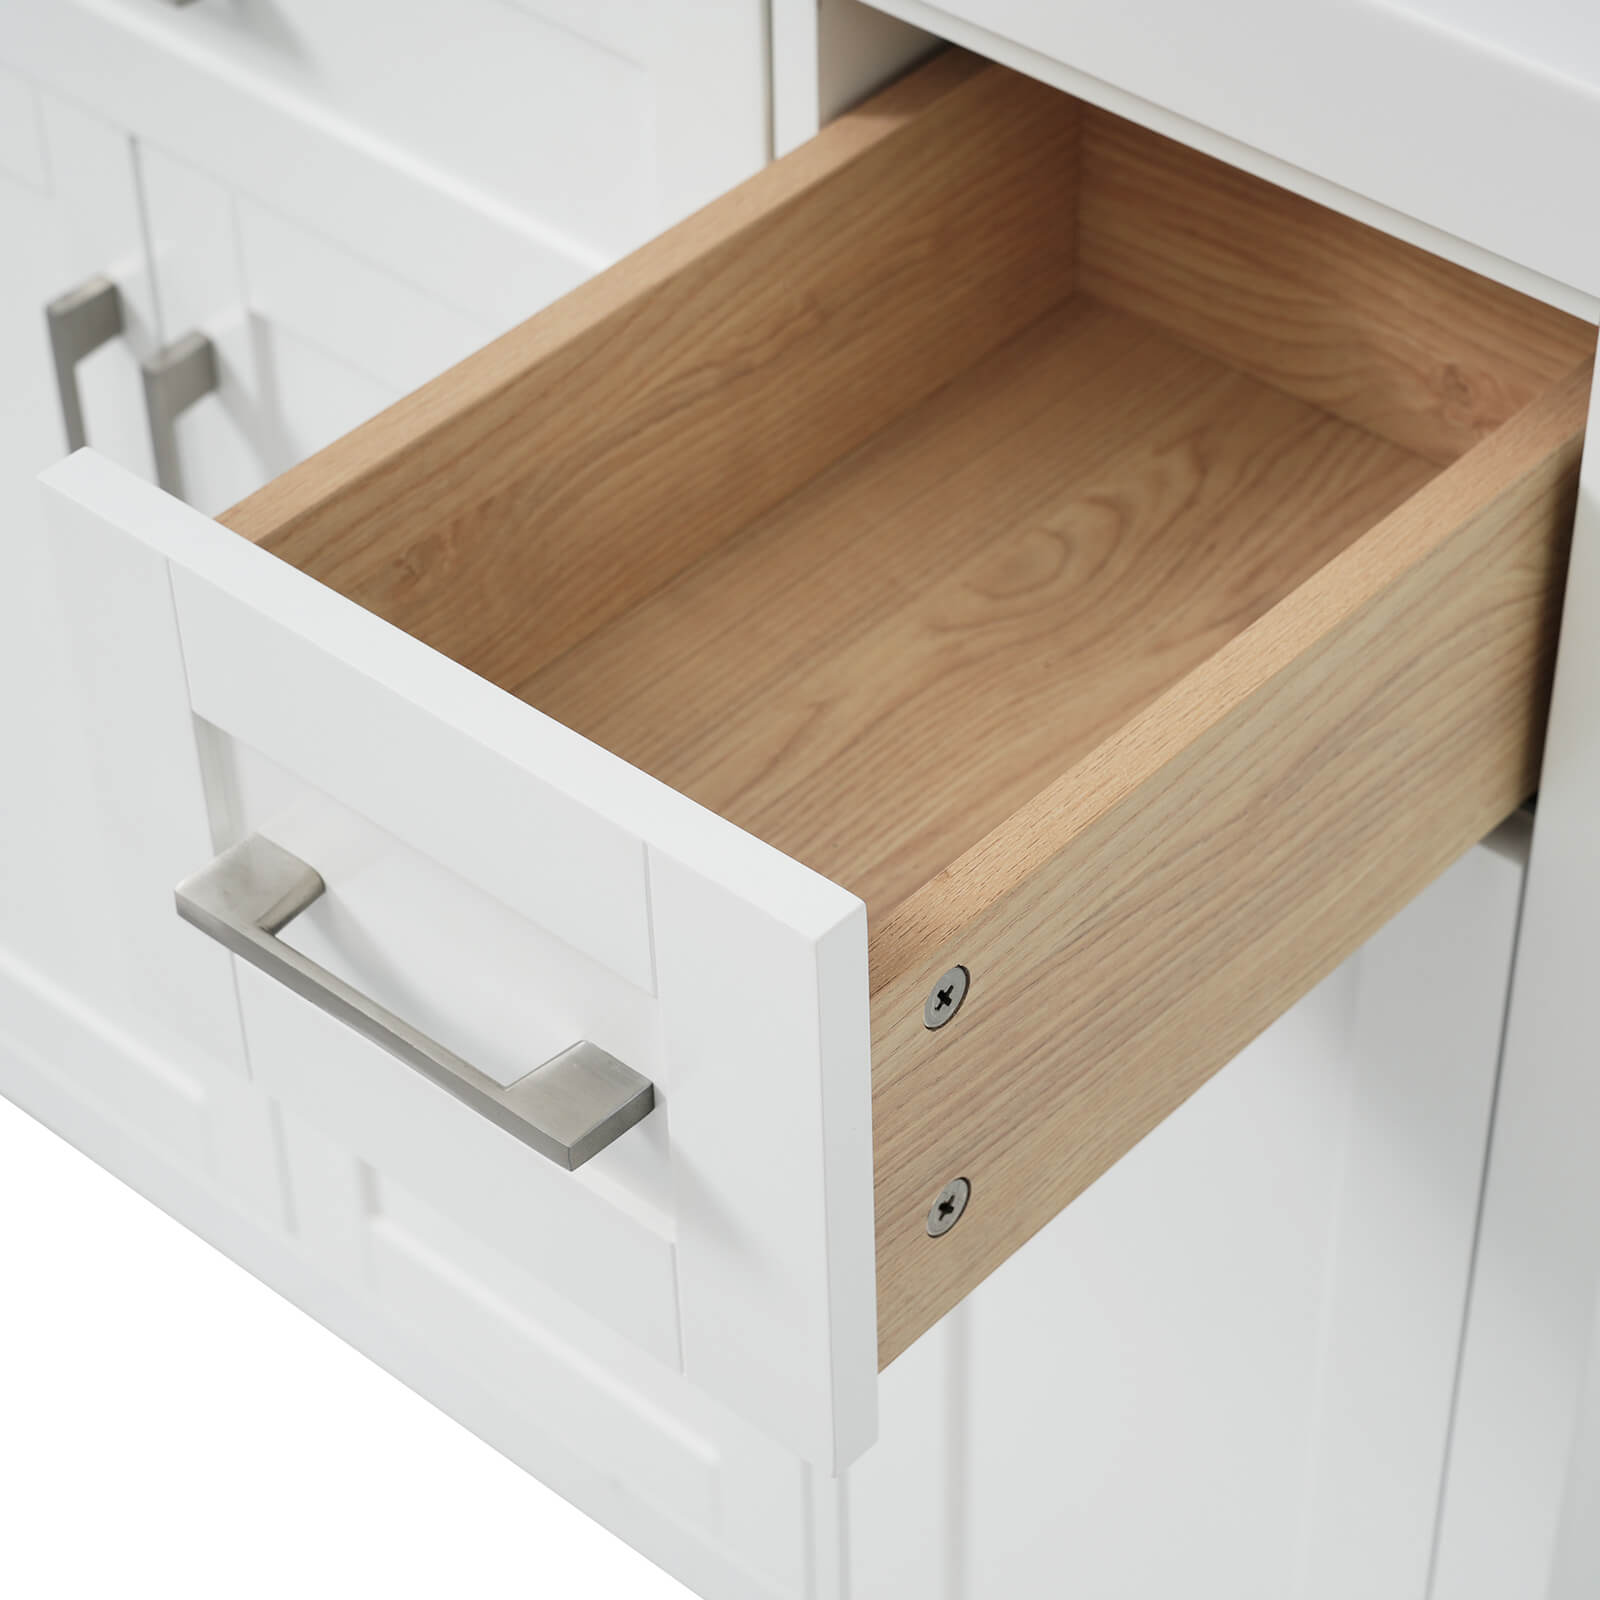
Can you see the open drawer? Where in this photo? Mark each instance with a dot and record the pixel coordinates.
(994, 537)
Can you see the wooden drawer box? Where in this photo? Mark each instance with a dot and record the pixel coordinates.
(1129, 582)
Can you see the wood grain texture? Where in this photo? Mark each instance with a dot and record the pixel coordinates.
(1145, 916)
(549, 482)
(1134, 581)
(1372, 329)
(884, 668)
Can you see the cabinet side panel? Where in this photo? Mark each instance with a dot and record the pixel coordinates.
(1529, 1342)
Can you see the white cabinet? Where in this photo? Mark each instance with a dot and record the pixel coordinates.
(255, 171)
(668, 671)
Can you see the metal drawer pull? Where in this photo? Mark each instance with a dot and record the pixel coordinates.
(80, 322)
(568, 1109)
(174, 378)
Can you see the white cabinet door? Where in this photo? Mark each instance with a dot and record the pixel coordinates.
(88, 1012)
(461, 834)
(68, 212)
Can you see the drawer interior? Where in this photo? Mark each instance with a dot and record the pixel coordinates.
(1014, 430)
(1129, 577)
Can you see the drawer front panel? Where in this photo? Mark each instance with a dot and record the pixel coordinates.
(500, 991)
(293, 690)
(748, 969)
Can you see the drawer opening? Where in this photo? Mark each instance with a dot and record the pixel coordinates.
(1195, 390)
(934, 505)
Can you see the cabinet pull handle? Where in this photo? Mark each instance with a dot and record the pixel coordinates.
(174, 378)
(80, 321)
(569, 1109)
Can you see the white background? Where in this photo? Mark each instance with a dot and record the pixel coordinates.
(171, 1427)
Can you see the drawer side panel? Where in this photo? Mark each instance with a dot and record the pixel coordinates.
(1141, 921)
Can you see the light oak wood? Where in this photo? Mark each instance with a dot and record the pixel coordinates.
(570, 468)
(1372, 329)
(1146, 915)
(901, 655)
(1135, 582)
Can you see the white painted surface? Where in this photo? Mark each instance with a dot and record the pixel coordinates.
(1528, 1357)
(22, 156)
(274, 298)
(572, 1402)
(146, 821)
(504, 994)
(1431, 994)
(78, 851)
(767, 1044)
(88, 223)
(1326, 1369)
(1425, 133)
(827, 55)
(284, 1458)
(216, 1429)
(492, 153)
(765, 1089)
(339, 303)
(56, 235)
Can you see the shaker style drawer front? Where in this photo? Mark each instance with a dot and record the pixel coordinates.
(993, 538)
(661, 929)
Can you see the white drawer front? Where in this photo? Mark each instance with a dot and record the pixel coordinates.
(504, 994)
(731, 1232)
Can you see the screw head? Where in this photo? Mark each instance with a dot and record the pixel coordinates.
(945, 997)
(948, 1204)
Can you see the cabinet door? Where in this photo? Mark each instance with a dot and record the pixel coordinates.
(89, 1015)
(68, 212)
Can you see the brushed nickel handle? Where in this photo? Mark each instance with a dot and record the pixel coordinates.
(569, 1109)
(174, 378)
(80, 321)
